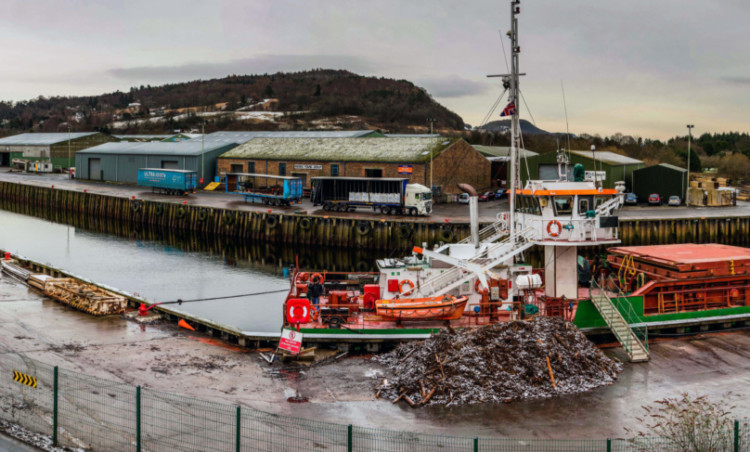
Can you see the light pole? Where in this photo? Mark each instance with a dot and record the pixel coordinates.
(203, 152)
(69, 173)
(431, 121)
(687, 183)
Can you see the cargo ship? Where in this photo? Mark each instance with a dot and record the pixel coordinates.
(483, 279)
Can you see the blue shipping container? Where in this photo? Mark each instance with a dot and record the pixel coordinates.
(170, 181)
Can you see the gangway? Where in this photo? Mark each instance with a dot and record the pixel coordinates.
(637, 351)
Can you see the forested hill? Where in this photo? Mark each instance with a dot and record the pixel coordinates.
(310, 99)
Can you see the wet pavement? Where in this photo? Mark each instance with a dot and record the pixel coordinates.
(165, 358)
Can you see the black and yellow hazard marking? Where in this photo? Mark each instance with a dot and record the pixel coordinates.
(24, 379)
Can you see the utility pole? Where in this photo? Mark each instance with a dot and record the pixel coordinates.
(431, 121)
(687, 183)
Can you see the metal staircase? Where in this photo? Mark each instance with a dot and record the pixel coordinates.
(636, 349)
(490, 233)
(478, 265)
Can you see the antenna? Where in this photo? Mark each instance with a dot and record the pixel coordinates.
(565, 106)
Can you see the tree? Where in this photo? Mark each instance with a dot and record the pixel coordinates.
(317, 90)
(268, 91)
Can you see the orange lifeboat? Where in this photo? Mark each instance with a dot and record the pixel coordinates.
(431, 308)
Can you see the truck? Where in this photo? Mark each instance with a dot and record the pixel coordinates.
(169, 181)
(265, 188)
(388, 195)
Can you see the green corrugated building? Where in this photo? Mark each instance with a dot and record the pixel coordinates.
(665, 179)
(610, 167)
(59, 148)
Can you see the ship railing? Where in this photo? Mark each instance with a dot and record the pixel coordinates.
(497, 229)
(625, 310)
(573, 230)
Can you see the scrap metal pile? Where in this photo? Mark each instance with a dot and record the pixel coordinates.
(504, 362)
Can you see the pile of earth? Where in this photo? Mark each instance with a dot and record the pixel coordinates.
(540, 358)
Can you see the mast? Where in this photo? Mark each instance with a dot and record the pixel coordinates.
(515, 180)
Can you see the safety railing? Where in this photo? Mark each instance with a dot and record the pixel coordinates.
(84, 412)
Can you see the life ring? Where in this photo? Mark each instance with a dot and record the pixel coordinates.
(228, 217)
(401, 287)
(478, 287)
(272, 221)
(405, 230)
(558, 228)
(305, 223)
(202, 214)
(363, 228)
(446, 235)
(320, 277)
(180, 213)
(135, 205)
(158, 209)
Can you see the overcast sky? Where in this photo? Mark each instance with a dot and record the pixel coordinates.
(644, 68)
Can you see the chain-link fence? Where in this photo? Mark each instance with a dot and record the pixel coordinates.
(95, 414)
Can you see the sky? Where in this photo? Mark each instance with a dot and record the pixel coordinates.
(640, 68)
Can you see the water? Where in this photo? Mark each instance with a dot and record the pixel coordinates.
(162, 267)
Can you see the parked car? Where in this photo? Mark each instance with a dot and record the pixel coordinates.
(674, 201)
(631, 199)
(463, 198)
(487, 196)
(654, 199)
(500, 193)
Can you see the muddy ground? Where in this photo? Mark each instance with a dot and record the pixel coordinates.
(163, 357)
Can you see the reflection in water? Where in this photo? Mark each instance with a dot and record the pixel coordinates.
(163, 266)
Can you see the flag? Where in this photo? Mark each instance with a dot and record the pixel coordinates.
(509, 110)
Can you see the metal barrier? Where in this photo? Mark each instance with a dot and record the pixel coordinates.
(81, 411)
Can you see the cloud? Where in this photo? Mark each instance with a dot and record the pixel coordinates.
(256, 65)
(451, 86)
(737, 80)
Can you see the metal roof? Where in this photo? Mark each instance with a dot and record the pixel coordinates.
(672, 167)
(610, 158)
(42, 139)
(244, 137)
(412, 135)
(143, 136)
(501, 151)
(331, 149)
(187, 147)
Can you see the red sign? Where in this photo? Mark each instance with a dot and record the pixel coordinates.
(405, 169)
(291, 341)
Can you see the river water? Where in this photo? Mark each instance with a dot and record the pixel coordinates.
(161, 266)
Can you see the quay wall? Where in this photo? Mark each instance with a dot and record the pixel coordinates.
(312, 230)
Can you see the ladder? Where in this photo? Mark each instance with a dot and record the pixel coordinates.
(490, 233)
(636, 350)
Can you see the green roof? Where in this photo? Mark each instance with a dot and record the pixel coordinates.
(395, 150)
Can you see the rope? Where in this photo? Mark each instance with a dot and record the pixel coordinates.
(178, 301)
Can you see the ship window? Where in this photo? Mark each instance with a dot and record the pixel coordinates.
(584, 204)
(599, 200)
(563, 205)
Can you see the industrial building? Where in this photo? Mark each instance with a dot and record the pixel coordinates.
(244, 137)
(603, 166)
(58, 148)
(120, 162)
(499, 157)
(445, 161)
(665, 179)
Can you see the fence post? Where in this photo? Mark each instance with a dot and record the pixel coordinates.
(476, 444)
(609, 445)
(238, 429)
(736, 436)
(54, 408)
(349, 445)
(138, 418)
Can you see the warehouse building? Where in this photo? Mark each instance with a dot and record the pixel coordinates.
(59, 148)
(499, 158)
(120, 162)
(603, 166)
(665, 179)
(244, 137)
(452, 160)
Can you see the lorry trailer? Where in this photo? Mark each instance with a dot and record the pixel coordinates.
(169, 181)
(265, 188)
(388, 195)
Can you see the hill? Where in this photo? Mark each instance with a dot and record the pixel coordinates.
(321, 98)
(503, 126)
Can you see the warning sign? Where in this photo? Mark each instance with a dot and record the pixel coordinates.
(22, 378)
(291, 341)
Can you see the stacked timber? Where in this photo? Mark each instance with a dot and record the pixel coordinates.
(84, 297)
(12, 268)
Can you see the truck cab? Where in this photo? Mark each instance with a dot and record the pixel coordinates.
(417, 200)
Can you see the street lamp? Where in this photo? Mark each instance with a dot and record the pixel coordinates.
(69, 173)
(690, 136)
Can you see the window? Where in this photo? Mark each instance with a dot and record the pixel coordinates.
(584, 205)
(563, 205)
(235, 168)
(599, 200)
(282, 169)
(334, 170)
(373, 172)
(251, 167)
(427, 196)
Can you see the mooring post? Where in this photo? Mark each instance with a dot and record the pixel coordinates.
(54, 407)
(138, 418)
